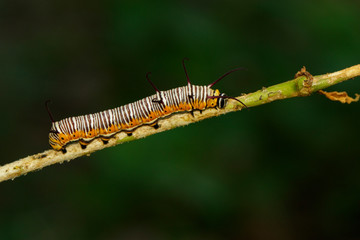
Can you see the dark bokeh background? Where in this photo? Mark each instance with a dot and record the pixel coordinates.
(286, 170)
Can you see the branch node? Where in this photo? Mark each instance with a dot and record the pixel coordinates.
(304, 84)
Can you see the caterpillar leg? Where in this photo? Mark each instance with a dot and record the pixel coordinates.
(63, 150)
(105, 140)
(155, 125)
(83, 144)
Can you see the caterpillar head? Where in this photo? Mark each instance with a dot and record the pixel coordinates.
(219, 100)
(216, 100)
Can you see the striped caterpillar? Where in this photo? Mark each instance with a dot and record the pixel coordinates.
(127, 118)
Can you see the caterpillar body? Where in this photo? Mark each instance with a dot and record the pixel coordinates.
(127, 118)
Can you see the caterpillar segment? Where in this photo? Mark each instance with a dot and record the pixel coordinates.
(127, 118)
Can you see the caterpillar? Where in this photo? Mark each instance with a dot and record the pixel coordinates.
(127, 118)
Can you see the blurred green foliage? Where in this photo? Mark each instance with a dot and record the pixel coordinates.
(286, 170)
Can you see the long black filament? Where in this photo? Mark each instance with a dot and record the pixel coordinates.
(48, 110)
(152, 84)
(187, 76)
(225, 74)
(230, 98)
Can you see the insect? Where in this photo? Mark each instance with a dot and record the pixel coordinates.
(127, 118)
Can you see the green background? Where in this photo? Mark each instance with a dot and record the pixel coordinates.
(286, 170)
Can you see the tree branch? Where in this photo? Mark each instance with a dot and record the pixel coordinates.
(303, 85)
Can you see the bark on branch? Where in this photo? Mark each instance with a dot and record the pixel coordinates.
(303, 85)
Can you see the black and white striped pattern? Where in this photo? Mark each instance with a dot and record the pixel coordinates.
(130, 116)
